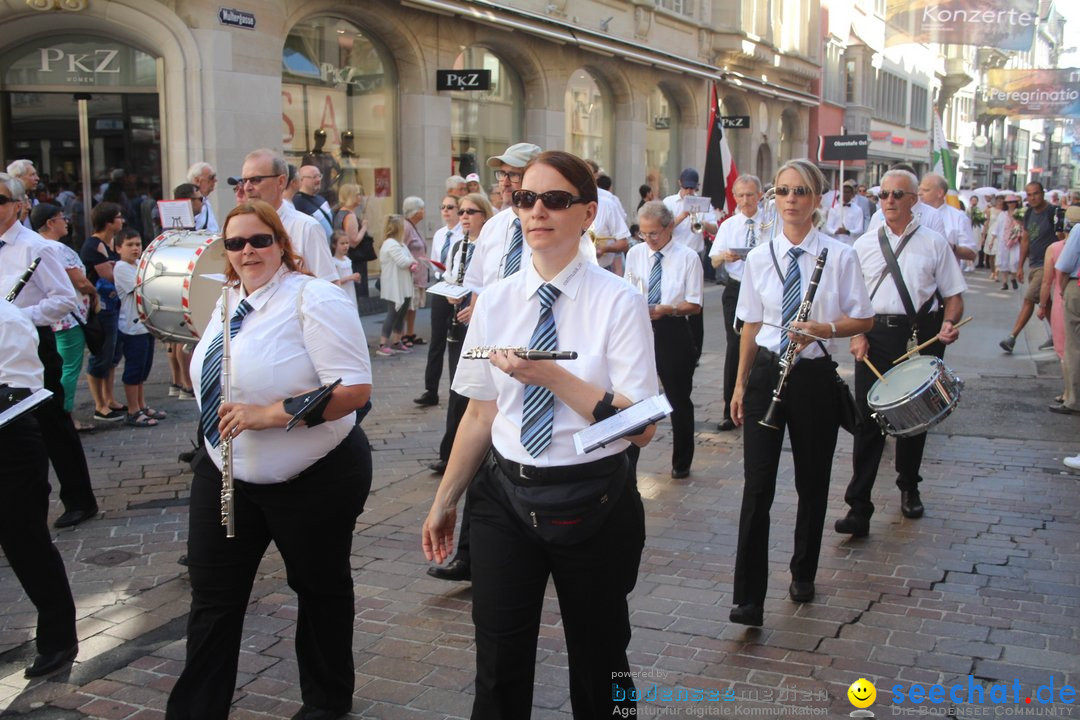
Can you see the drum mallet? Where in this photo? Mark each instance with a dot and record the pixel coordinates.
(874, 370)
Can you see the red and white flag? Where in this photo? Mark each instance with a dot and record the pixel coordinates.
(720, 171)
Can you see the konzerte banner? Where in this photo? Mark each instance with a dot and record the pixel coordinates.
(1034, 93)
(1006, 24)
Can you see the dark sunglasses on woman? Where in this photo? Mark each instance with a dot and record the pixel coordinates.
(552, 199)
(260, 241)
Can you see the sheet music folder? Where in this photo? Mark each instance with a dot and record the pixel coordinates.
(621, 423)
(448, 290)
(15, 408)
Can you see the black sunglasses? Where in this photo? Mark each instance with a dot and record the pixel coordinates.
(469, 211)
(236, 244)
(4, 200)
(552, 199)
(896, 194)
(448, 207)
(798, 190)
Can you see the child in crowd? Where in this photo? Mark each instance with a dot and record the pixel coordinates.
(134, 338)
(347, 278)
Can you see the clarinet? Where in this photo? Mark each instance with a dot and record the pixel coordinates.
(455, 325)
(228, 515)
(788, 360)
(21, 283)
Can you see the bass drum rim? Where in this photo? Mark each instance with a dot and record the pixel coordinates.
(144, 304)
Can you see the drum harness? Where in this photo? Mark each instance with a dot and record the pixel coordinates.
(892, 267)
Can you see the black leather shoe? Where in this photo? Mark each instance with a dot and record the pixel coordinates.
(438, 467)
(854, 525)
(427, 399)
(727, 425)
(456, 570)
(680, 474)
(801, 591)
(748, 614)
(71, 518)
(911, 504)
(306, 713)
(51, 662)
(186, 457)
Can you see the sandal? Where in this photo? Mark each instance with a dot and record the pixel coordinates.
(154, 414)
(84, 427)
(140, 420)
(417, 340)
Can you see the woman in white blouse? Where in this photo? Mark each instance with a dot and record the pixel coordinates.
(302, 489)
(527, 413)
(396, 264)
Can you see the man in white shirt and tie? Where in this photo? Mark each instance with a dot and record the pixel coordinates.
(202, 176)
(956, 223)
(734, 238)
(263, 177)
(845, 220)
(693, 237)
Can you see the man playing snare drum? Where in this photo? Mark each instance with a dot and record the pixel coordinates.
(926, 303)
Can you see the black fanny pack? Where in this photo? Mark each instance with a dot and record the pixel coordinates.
(563, 505)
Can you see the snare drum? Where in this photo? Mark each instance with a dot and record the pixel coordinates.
(914, 396)
(173, 297)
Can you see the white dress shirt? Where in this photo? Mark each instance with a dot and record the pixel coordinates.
(610, 222)
(958, 231)
(19, 363)
(732, 233)
(124, 275)
(841, 291)
(205, 219)
(847, 216)
(493, 244)
(308, 241)
(277, 355)
(615, 352)
(683, 232)
(445, 237)
(927, 216)
(926, 263)
(681, 274)
(49, 294)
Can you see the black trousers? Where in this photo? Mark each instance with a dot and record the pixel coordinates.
(510, 569)
(24, 533)
(730, 300)
(697, 332)
(675, 366)
(455, 411)
(441, 311)
(62, 441)
(886, 344)
(810, 413)
(311, 520)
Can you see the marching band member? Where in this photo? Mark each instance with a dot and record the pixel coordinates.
(775, 280)
(928, 269)
(441, 309)
(303, 490)
(844, 221)
(670, 276)
(689, 230)
(741, 230)
(529, 411)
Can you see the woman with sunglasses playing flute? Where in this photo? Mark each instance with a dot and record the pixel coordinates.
(527, 412)
(776, 277)
(304, 489)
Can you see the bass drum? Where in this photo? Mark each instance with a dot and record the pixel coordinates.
(914, 396)
(179, 282)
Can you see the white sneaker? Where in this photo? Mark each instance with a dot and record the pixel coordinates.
(1072, 462)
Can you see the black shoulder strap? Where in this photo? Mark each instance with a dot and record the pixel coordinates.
(894, 269)
(776, 263)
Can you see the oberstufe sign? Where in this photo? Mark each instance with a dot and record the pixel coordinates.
(1033, 93)
(1006, 24)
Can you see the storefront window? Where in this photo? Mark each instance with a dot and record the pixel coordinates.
(661, 144)
(338, 111)
(588, 120)
(484, 122)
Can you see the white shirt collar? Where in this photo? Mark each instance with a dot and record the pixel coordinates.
(568, 281)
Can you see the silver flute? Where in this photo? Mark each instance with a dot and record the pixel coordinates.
(228, 510)
(484, 352)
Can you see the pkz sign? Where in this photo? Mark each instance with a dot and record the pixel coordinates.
(741, 122)
(462, 80)
(237, 18)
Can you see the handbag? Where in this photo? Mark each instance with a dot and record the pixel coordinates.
(366, 248)
(93, 332)
(850, 417)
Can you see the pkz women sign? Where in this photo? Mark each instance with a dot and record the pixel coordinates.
(1006, 24)
(68, 62)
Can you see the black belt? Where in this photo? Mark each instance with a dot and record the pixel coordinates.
(557, 473)
(672, 318)
(892, 321)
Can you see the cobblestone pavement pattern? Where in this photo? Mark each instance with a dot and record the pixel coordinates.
(985, 584)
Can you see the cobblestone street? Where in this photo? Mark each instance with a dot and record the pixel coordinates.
(987, 584)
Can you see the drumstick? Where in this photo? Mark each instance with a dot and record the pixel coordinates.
(875, 370)
(928, 343)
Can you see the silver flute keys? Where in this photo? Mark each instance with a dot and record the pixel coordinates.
(484, 352)
(228, 515)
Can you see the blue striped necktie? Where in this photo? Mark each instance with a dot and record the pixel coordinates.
(513, 255)
(792, 292)
(446, 249)
(211, 376)
(655, 278)
(538, 415)
(751, 238)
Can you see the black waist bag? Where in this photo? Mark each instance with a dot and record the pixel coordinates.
(564, 512)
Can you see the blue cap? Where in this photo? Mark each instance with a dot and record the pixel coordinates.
(688, 178)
